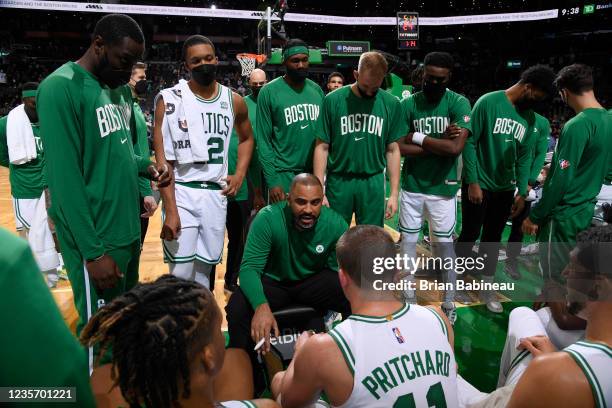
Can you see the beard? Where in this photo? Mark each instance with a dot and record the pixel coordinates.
(305, 222)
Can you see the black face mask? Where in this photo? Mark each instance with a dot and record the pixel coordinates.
(433, 91)
(113, 78)
(204, 74)
(255, 90)
(141, 87)
(297, 75)
(364, 95)
(32, 114)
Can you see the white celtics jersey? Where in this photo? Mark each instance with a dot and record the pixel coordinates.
(595, 360)
(217, 116)
(402, 360)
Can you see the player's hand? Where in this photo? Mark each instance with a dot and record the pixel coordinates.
(325, 201)
(391, 206)
(262, 324)
(104, 272)
(150, 205)
(258, 200)
(277, 194)
(475, 193)
(529, 227)
(160, 172)
(234, 182)
(518, 206)
(171, 227)
(537, 345)
(452, 131)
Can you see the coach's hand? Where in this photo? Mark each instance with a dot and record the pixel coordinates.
(537, 345)
(104, 272)
(258, 200)
(150, 205)
(234, 183)
(171, 227)
(160, 172)
(391, 207)
(529, 227)
(262, 324)
(518, 206)
(475, 193)
(452, 131)
(277, 194)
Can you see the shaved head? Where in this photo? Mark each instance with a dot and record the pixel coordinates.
(257, 76)
(305, 179)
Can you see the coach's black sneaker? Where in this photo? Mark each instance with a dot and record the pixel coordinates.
(511, 269)
(450, 311)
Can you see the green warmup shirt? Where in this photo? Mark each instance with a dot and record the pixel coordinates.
(433, 174)
(275, 248)
(579, 166)
(286, 128)
(358, 131)
(37, 348)
(540, 147)
(141, 147)
(498, 154)
(28, 179)
(92, 171)
(254, 171)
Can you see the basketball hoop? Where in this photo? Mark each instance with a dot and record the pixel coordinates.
(248, 62)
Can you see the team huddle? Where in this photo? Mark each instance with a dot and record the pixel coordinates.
(287, 170)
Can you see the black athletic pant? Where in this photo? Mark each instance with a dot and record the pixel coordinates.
(144, 223)
(490, 216)
(320, 291)
(515, 240)
(238, 213)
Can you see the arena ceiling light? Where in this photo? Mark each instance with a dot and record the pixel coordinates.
(214, 12)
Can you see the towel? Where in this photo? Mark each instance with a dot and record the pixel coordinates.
(41, 239)
(183, 119)
(20, 137)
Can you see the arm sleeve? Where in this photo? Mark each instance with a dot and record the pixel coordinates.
(324, 125)
(61, 131)
(470, 161)
(461, 113)
(398, 126)
(27, 297)
(342, 227)
(572, 141)
(256, 252)
(263, 134)
(539, 151)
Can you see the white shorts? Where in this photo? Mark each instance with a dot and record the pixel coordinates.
(202, 213)
(24, 210)
(440, 212)
(604, 196)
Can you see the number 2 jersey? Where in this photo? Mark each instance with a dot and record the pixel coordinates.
(401, 360)
(217, 116)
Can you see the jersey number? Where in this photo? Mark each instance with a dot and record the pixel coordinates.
(215, 150)
(435, 398)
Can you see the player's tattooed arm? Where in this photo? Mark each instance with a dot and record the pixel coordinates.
(246, 143)
(172, 222)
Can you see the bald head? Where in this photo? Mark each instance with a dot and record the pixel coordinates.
(305, 200)
(306, 180)
(257, 77)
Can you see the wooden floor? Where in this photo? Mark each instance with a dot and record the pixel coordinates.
(151, 261)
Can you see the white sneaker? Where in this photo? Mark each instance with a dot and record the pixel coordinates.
(490, 299)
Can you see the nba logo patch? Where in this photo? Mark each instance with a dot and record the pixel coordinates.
(466, 119)
(564, 164)
(224, 105)
(398, 335)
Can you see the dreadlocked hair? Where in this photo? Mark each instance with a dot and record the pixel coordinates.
(154, 331)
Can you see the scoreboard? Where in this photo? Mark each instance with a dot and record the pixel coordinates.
(408, 30)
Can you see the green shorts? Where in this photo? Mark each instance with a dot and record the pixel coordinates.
(557, 237)
(285, 178)
(362, 195)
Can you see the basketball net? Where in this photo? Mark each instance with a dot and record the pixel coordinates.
(249, 61)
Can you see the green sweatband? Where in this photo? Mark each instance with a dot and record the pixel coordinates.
(28, 94)
(291, 51)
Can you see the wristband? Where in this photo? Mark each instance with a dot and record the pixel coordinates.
(418, 137)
